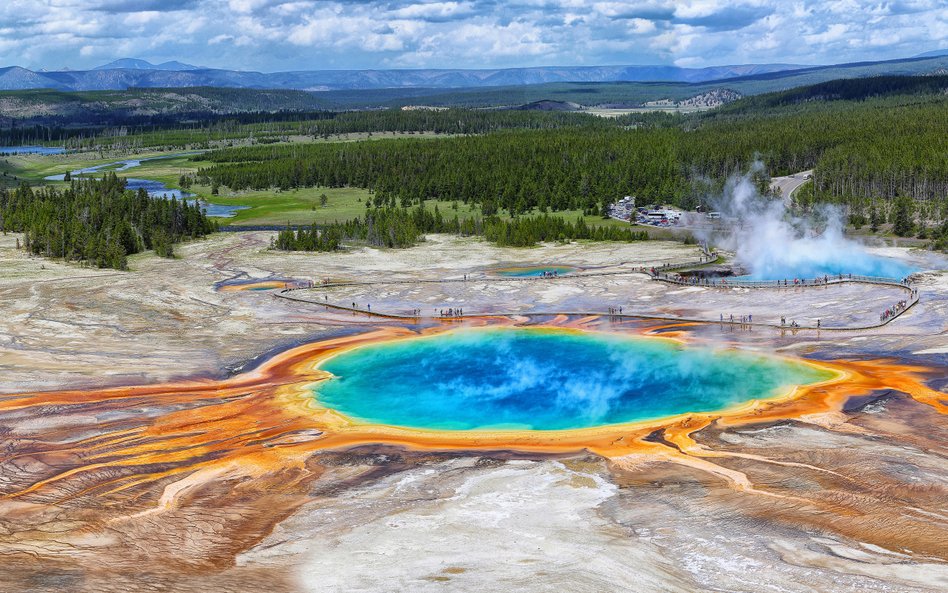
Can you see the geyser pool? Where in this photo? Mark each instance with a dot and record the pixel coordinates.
(845, 259)
(774, 242)
(544, 379)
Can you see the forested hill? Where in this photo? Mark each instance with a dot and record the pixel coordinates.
(52, 107)
(110, 124)
(268, 128)
(876, 148)
(856, 89)
(98, 221)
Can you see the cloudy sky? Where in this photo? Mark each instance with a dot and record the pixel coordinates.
(273, 35)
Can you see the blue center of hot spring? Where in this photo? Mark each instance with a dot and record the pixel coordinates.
(544, 379)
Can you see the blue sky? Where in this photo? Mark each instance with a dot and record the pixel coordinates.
(272, 35)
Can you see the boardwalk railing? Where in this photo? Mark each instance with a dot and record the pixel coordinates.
(709, 257)
(660, 273)
(787, 283)
(287, 294)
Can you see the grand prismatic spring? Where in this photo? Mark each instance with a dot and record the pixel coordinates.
(543, 379)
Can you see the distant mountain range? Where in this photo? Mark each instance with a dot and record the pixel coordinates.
(132, 73)
(127, 73)
(934, 53)
(133, 64)
(139, 106)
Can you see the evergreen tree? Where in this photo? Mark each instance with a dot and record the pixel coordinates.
(402, 227)
(98, 221)
(874, 219)
(902, 223)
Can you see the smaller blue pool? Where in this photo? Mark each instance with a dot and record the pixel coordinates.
(535, 271)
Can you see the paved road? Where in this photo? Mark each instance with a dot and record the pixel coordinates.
(787, 185)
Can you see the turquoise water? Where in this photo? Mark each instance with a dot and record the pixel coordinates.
(882, 267)
(535, 271)
(544, 379)
(817, 264)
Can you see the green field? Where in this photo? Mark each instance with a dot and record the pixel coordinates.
(34, 168)
(166, 170)
(266, 207)
(244, 135)
(295, 207)
(302, 206)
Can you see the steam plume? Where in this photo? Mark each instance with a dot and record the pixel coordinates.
(771, 243)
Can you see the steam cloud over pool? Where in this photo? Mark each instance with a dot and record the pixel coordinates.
(544, 379)
(773, 243)
(823, 256)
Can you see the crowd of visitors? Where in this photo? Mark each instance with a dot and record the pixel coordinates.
(893, 311)
(744, 319)
(748, 319)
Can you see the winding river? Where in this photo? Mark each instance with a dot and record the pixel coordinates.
(153, 187)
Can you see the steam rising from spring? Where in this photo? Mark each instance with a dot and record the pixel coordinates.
(771, 243)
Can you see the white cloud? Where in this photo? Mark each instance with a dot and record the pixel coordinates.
(136, 19)
(434, 11)
(274, 34)
(641, 26)
(832, 33)
(246, 6)
(700, 8)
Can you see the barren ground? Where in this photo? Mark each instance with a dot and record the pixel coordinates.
(851, 500)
